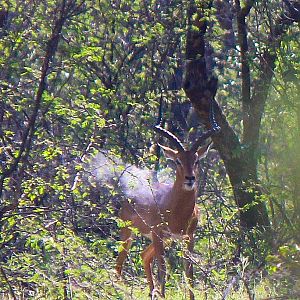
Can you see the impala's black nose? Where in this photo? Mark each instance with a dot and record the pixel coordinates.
(189, 183)
(190, 178)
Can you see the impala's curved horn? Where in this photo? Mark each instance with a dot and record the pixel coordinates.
(215, 128)
(170, 136)
(201, 139)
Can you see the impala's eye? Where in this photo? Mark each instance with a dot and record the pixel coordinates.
(178, 162)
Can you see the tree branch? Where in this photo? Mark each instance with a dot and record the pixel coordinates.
(30, 129)
(262, 84)
(242, 13)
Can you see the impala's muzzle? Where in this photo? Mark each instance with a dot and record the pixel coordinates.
(189, 182)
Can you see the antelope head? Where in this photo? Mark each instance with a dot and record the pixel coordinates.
(187, 161)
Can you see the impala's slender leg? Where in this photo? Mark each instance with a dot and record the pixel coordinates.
(147, 257)
(159, 254)
(125, 235)
(189, 270)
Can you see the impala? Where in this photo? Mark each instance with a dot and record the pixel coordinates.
(170, 212)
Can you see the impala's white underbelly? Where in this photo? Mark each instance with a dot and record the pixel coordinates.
(168, 236)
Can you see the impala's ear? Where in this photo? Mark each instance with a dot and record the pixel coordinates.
(168, 152)
(202, 151)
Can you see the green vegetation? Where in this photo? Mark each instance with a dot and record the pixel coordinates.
(79, 77)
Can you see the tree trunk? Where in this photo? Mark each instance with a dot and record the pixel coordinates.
(296, 169)
(241, 164)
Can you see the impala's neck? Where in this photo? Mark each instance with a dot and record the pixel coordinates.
(183, 195)
(179, 205)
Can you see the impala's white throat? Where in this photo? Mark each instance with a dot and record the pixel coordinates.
(188, 186)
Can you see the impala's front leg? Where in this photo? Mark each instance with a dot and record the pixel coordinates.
(189, 271)
(125, 236)
(190, 248)
(159, 253)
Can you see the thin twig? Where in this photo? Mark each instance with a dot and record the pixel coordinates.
(8, 283)
(231, 284)
(297, 295)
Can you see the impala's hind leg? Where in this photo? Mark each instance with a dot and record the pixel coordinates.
(126, 237)
(160, 256)
(147, 257)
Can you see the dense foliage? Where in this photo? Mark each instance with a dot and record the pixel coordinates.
(79, 77)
